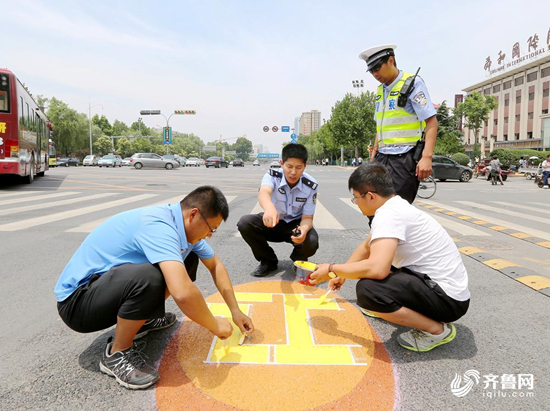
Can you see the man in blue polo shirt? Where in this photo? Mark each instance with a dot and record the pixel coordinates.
(125, 269)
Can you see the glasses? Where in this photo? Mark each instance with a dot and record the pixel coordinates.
(378, 66)
(354, 199)
(208, 225)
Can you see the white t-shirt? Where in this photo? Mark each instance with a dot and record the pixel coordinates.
(424, 246)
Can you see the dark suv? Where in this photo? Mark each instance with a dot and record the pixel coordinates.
(238, 163)
(216, 162)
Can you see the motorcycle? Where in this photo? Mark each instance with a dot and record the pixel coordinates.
(539, 180)
(494, 177)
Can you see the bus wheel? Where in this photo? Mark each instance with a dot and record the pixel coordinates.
(30, 178)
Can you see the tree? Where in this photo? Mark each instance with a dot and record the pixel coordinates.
(124, 147)
(475, 109)
(70, 129)
(119, 128)
(449, 137)
(103, 124)
(103, 145)
(42, 102)
(243, 147)
(352, 121)
(141, 145)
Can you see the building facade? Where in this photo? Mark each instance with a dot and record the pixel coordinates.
(521, 119)
(309, 121)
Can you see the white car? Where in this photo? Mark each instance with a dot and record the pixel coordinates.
(275, 164)
(126, 161)
(90, 160)
(256, 163)
(202, 162)
(192, 162)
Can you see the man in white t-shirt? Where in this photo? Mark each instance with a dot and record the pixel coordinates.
(409, 270)
(545, 171)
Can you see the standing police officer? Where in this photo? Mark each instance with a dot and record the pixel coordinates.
(398, 129)
(288, 199)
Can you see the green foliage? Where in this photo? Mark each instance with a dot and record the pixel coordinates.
(512, 156)
(449, 137)
(476, 150)
(103, 146)
(119, 128)
(70, 127)
(475, 109)
(243, 147)
(103, 123)
(461, 158)
(124, 147)
(141, 145)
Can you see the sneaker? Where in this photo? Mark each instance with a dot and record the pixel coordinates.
(545, 187)
(128, 367)
(156, 324)
(264, 269)
(421, 341)
(368, 313)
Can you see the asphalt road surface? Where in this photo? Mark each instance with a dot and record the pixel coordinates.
(503, 233)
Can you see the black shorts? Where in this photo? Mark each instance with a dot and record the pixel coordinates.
(129, 291)
(406, 288)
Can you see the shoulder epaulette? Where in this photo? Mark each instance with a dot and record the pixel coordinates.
(275, 173)
(309, 183)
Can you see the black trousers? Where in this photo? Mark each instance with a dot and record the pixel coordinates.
(257, 236)
(129, 291)
(402, 169)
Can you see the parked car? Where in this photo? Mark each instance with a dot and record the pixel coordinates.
(202, 162)
(238, 162)
(446, 169)
(66, 162)
(256, 163)
(216, 162)
(140, 160)
(192, 162)
(90, 160)
(275, 164)
(126, 161)
(110, 160)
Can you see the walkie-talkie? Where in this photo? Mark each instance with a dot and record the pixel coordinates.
(406, 90)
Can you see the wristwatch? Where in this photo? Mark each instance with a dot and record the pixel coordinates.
(331, 273)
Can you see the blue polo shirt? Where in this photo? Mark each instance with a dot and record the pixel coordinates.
(150, 234)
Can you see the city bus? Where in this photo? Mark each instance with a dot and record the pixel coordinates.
(52, 155)
(24, 131)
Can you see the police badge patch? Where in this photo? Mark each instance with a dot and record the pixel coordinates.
(315, 198)
(420, 98)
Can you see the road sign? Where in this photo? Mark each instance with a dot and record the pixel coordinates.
(268, 155)
(275, 129)
(266, 129)
(209, 148)
(293, 136)
(285, 129)
(167, 135)
(149, 112)
(233, 152)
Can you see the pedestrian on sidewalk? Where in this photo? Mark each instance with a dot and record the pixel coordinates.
(128, 266)
(545, 171)
(289, 200)
(409, 270)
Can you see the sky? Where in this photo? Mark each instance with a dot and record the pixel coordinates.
(243, 65)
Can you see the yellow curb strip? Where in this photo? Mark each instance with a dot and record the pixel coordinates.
(439, 209)
(536, 282)
(470, 250)
(498, 227)
(521, 235)
(464, 217)
(480, 222)
(544, 244)
(499, 263)
(451, 213)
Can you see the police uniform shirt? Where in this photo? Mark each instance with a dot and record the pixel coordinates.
(291, 203)
(418, 103)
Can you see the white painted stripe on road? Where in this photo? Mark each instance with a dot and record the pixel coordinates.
(17, 193)
(490, 219)
(257, 209)
(523, 207)
(39, 197)
(324, 219)
(32, 222)
(16, 210)
(499, 210)
(347, 200)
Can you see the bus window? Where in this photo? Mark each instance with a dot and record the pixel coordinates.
(4, 94)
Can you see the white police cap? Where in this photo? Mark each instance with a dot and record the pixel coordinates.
(372, 55)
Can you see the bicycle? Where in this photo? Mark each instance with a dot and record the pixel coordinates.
(427, 188)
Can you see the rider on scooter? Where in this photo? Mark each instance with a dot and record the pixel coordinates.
(495, 165)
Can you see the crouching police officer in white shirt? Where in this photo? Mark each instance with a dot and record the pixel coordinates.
(288, 199)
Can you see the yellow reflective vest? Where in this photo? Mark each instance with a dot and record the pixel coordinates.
(396, 126)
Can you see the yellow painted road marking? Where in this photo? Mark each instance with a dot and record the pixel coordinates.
(480, 222)
(439, 209)
(464, 217)
(499, 228)
(499, 263)
(470, 250)
(536, 282)
(535, 260)
(429, 206)
(544, 244)
(521, 235)
(451, 213)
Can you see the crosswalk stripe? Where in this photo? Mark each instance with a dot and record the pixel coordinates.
(90, 226)
(39, 197)
(523, 207)
(462, 229)
(324, 219)
(18, 193)
(534, 232)
(498, 210)
(32, 222)
(15, 210)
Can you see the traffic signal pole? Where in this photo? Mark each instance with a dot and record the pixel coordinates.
(167, 129)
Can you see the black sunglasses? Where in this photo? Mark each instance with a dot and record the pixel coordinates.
(378, 65)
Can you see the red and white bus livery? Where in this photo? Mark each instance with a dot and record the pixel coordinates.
(24, 130)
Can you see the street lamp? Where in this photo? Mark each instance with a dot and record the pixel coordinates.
(357, 84)
(90, 107)
(157, 112)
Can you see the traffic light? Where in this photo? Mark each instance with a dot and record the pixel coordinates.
(188, 112)
(167, 139)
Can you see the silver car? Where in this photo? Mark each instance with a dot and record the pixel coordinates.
(90, 160)
(140, 160)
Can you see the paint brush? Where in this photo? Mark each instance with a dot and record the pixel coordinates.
(322, 298)
(241, 340)
(226, 346)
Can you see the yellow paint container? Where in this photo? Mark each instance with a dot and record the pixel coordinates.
(303, 271)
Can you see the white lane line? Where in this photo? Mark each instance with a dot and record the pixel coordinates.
(490, 219)
(324, 219)
(500, 210)
(15, 210)
(460, 228)
(541, 210)
(4, 194)
(32, 222)
(257, 209)
(89, 227)
(39, 197)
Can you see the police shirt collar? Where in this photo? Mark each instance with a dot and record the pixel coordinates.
(298, 185)
(177, 215)
(394, 82)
